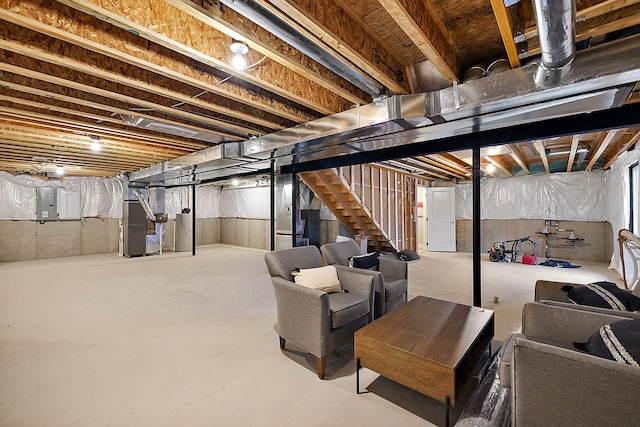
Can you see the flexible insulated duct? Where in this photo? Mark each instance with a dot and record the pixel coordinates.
(555, 20)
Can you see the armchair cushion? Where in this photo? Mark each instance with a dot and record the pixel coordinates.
(619, 341)
(346, 307)
(603, 294)
(322, 278)
(367, 262)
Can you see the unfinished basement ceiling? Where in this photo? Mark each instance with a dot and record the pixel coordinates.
(152, 79)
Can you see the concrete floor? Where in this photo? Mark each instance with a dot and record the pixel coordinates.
(176, 340)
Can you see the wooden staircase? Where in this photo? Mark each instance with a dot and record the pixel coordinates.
(339, 194)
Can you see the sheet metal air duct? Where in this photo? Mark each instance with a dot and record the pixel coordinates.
(555, 20)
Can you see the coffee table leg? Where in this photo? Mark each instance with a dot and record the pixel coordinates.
(447, 402)
(358, 375)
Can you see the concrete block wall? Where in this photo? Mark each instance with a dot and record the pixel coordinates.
(596, 246)
(25, 240)
(250, 233)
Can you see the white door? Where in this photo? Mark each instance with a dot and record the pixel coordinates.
(441, 219)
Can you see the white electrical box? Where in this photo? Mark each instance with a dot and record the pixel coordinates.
(68, 204)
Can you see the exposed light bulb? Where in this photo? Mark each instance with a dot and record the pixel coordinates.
(239, 62)
(95, 143)
(59, 171)
(235, 182)
(491, 168)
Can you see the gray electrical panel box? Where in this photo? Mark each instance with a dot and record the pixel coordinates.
(47, 204)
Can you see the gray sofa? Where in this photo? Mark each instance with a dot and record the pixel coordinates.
(551, 293)
(312, 319)
(391, 279)
(552, 384)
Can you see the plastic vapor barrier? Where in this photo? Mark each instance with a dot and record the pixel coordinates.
(251, 202)
(99, 197)
(617, 189)
(575, 196)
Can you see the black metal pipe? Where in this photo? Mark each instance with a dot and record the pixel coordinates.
(294, 208)
(272, 186)
(477, 278)
(193, 220)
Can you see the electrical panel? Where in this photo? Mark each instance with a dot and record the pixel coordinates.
(46, 204)
(68, 204)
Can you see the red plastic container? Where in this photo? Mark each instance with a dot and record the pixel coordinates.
(529, 259)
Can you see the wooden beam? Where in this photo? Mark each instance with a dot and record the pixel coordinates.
(423, 27)
(574, 149)
(518, 156)
(588, 13)
(602, 145)
(182, 33)
(499, 163)
(72, 27)
(221, 127)
(622, 150)
(91, 128)
(446, 159)
(64, 139)
(506, 31)
(238, 27)
(334, 27)
(133, 77)
(455, 171)
(601, 30)
(98, 106)
(418, 165)
(539, 144)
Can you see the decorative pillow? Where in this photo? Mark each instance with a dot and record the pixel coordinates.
(322, 278)
(619, 341)
(604, 295)
(408, 255)
(368, 261)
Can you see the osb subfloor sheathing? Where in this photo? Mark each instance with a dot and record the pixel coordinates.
(178, 340)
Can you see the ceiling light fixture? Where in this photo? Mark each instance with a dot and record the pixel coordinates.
(235, 182)
(491, 168)
(95, 143)
(240, 50)
(59, 171)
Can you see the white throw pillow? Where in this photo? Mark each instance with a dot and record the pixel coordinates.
(321, 278)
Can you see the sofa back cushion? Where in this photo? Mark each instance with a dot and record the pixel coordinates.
(561, 326)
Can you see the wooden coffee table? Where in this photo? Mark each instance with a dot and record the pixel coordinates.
(429, 345)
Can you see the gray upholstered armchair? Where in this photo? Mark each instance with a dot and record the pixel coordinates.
(314, 320)
(391, 281)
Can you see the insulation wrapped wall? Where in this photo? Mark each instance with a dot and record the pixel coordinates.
(99, 197)
(575, 196)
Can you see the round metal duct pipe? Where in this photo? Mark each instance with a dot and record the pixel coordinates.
(555, 20)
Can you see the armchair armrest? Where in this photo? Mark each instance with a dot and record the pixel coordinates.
(357, 282)
(378, 280)
(303, 314)
(545, 379)
(392, 269)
